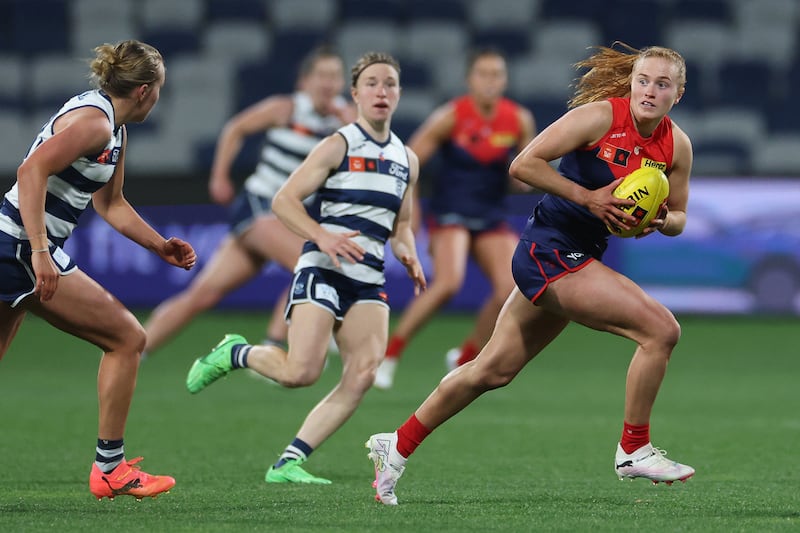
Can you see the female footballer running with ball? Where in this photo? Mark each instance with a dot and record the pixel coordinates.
(617, 123)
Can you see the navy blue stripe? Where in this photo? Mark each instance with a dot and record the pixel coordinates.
(369, 260)
(275, 167)
(371, 138)
(373, 262)
(58, 208)
(377, 166)
(365, 226)
(361, 197)
(11, 212)
(287, 151)
(78, 180)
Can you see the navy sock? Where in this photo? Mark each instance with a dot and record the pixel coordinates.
(109, 454)
(239, 355)
(298, 449)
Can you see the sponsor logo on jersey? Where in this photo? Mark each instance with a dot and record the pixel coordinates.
(384, 166)
(355, 164)
(362, 164)
(503, 139)
(649, 163)
(614, 154)
(398, 171)
(108, 156)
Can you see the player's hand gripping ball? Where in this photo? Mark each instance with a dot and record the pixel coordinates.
(649, 188)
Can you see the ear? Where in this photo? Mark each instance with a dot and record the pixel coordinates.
(141, 91)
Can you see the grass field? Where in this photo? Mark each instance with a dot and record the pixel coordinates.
(535, 456)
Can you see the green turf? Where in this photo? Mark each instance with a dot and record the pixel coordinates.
(535, 456)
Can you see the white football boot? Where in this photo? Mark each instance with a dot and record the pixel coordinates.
(451, 358)
(389, 465)
(384, 376)
(650, 462)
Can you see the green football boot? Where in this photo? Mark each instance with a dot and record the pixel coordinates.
(209, 368)
(291, 472)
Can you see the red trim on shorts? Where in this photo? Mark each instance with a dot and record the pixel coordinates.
(548, 280)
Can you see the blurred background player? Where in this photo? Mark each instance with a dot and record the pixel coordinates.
(294, 124)
(365, 178)
(78, 157)
(618, 123)
(476, 135)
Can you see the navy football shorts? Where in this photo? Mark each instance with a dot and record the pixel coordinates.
(17, 279)
(535, 266)
(245, 209)
(332, 291)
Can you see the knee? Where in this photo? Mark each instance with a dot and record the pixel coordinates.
(446, 289)
(298, 377)
(357, 379)
(486, 377)
(496, 380)
(129, 338)
(136, 338)
(671, 331)
(666, 334)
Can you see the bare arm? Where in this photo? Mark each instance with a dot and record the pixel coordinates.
(528, 132)
(402, 240)
(424, 142)
(678, 199)
(110, 203)
(305, 180)
(432, 133)
(268, 113)
(80, 132)
(579, 127)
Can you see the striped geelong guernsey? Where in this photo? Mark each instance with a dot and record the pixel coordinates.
(70, 190)
(285, 148)
(363, 194)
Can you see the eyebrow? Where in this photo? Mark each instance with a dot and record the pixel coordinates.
(642, 74)
(375, 78)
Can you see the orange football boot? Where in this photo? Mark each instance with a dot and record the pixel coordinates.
(127, 479)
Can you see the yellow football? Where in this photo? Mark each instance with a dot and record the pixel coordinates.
(648, 187)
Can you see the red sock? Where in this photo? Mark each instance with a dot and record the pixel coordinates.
(395, 348)
(634, 437)
(469, 351)
(410, 435)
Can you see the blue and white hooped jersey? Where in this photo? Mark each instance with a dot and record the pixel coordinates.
(364, 194)
(70, 190)
(285, 148)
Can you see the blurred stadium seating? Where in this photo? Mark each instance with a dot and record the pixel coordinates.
(743, 60)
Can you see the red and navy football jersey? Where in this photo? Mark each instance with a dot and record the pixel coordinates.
(618, 153)
(473, 181)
